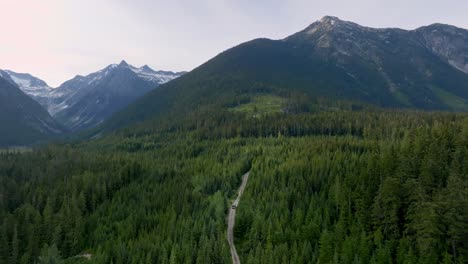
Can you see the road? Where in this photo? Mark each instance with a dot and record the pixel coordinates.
(232, 220)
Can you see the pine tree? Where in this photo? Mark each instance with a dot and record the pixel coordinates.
(50, 255)
(327, 249)
(48, 223)
(4, 245)
(14, 246)
(173, 259)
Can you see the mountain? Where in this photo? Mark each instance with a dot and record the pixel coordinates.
(86, 101)
(448, 42)
(333, 59)
(32, 86)
(423, 68)
(23, 120)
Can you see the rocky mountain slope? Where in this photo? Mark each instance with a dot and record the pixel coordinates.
(448, 42)
(23, 120)
(331, 58)
(36, 88)
(416, 66)
(86, 101)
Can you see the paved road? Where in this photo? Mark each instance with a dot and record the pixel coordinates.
(232, 219)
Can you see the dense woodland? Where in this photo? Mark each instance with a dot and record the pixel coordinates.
(338, 186)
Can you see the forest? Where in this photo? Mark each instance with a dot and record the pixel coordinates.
(348, 185)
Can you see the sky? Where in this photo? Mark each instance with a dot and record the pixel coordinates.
(56, 40)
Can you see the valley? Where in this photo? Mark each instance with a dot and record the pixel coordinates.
(340, 143)
(333, 190)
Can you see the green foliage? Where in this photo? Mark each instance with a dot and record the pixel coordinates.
(336, 186)
(247, 77)
(22, 120)
(261, 105)
(455, 102)
(50, 255)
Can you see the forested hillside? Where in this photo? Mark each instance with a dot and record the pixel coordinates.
(335, 143)
(334, 186)
(332, 59)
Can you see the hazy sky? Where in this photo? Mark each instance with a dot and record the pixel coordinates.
(58, 39)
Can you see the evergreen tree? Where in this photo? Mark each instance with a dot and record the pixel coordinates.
(50, 255)
(14, 257)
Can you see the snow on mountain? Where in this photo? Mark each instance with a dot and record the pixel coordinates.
(29, 84)
(159, 77)
(145, 72)
(86, 101)
(23, 120)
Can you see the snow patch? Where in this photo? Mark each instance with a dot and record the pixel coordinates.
(461, 67)
(149, 74)
(28, 87)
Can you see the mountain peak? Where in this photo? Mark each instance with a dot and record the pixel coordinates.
(326, 28)
(85, 102)
(146, 68)
(330, 20)
(123, 63)
(332, 23)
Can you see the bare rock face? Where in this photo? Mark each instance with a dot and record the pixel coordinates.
(346, 38)
(334, 37)
(448, 42)
(344, 43)
(36, 88)
(406, 60)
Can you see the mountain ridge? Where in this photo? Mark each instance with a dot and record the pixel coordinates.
(86, 101)
(23, 120)
(338, 60)
(79, 92)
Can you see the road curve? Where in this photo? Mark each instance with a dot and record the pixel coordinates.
(232, 219)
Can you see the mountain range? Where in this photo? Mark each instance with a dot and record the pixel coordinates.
(425, 68)
(337, 144)
(86, 101)
(331, 59)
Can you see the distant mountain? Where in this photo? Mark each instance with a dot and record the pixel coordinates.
(424, 68)
(32, 86)
(86, 101)
(23, 120)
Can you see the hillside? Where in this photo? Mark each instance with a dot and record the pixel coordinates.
(341, 161)
(331, 59)
(36, 88)
(23, 120)
(330, 187)
(86, 101)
